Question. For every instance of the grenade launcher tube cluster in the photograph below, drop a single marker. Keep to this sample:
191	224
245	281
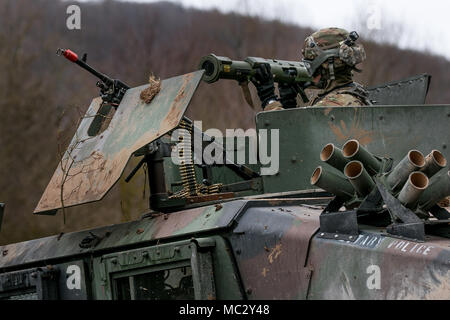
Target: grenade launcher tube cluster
413	180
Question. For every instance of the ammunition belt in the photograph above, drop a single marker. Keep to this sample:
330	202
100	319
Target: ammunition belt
190	186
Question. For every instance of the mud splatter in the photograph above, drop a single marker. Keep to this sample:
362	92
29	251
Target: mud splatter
276	251
354	131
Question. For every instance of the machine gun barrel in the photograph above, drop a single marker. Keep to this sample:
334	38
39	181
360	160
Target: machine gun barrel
72	56
111	90
224	68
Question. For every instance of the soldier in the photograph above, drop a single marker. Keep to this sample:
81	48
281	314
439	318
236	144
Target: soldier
332	55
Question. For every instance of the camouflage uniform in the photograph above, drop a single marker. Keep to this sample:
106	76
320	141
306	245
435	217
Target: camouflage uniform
333	56
353	95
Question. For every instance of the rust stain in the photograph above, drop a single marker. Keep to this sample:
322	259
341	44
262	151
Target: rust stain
344	133
276	251
173	116
327	111
169	224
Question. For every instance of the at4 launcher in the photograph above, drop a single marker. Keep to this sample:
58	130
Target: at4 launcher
111	90
297	74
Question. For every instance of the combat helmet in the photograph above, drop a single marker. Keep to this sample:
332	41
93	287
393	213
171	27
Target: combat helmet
334	48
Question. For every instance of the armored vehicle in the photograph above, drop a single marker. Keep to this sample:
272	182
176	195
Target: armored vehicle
343	207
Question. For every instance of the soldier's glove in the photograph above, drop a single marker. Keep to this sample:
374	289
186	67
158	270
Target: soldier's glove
263	81
288	95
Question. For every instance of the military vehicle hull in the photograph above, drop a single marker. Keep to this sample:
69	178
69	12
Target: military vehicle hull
254	236
264	248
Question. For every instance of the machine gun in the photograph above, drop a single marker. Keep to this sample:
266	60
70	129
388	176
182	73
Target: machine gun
295	73
111	90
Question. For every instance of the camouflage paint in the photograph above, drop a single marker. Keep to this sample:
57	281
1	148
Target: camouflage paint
407	270
263	249
278	258
387	131
178	224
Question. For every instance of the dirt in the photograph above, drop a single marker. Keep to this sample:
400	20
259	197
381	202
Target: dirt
445	202
155	86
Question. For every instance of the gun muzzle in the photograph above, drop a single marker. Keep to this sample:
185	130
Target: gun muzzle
68	54
332	182
434	162
333	156
413	161
439	189
360	179
353	150
415	185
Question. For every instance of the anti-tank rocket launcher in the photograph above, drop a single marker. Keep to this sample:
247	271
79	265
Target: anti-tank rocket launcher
297	74
111	90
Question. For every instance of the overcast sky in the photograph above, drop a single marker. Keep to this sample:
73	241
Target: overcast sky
413	24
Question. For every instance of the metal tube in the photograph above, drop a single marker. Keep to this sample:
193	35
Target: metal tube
333	156
333	183
359	177
217	67
439	189
413	161
353	150
415	185
434	162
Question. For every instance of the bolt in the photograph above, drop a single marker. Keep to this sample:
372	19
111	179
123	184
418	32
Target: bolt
145	254
249	290
266	123
332	118
238	251
336	236
177	249
350	237
294	159
322	234
114	261
444	146
381	118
